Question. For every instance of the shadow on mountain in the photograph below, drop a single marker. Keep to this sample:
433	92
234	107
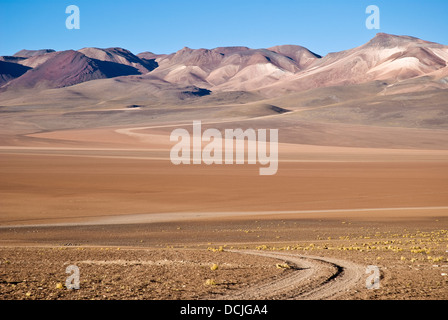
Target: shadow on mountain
112	69
9	71
194	93
13	69
279	110
150	64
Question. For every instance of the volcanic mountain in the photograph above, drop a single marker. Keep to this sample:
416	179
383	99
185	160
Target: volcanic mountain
32	53
67	68
386	58
120	56
30	58
396	60
233	68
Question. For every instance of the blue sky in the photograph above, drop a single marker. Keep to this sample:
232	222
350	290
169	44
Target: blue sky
165	26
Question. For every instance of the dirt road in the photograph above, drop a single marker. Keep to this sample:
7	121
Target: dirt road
314	278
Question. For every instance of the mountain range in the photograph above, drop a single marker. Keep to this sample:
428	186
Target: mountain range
270	72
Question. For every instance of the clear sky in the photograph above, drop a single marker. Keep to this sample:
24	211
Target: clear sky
165	26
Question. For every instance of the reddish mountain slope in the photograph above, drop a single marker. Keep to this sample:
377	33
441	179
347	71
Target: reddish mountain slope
121	56
272	72
67	68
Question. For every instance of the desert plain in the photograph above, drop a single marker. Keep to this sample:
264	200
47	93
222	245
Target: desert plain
139	227
86	180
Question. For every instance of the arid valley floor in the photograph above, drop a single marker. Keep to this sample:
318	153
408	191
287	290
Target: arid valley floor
86	177
139	227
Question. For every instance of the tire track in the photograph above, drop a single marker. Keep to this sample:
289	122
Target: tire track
312	278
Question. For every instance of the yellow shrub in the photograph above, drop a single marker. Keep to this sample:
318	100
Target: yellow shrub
214	267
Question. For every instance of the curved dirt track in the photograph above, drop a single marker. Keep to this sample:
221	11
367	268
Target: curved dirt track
312	278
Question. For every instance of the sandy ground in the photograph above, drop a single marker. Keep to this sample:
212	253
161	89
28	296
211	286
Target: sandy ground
289	258
79	187
140	228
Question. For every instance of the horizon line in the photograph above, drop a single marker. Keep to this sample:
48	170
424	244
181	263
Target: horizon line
230	46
